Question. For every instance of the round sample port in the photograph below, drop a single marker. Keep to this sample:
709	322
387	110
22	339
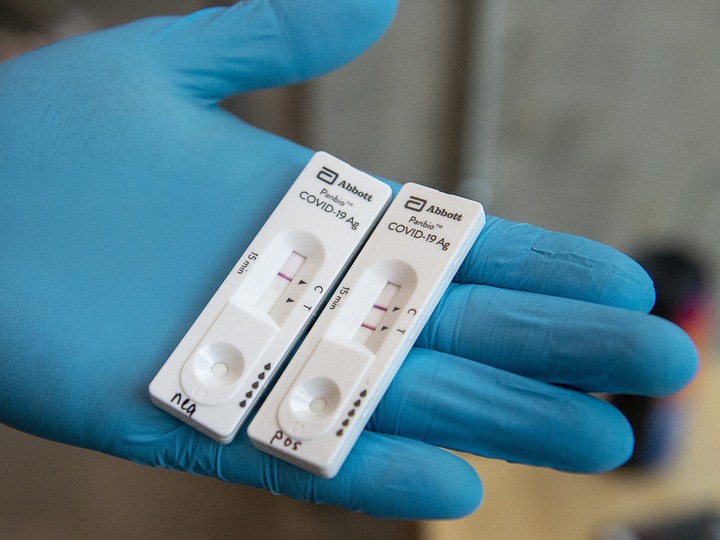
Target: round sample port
220	369
218	365
318	405
315	399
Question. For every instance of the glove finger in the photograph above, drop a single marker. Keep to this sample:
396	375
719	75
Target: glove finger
523	257
588	346
384	476
462	405
262	43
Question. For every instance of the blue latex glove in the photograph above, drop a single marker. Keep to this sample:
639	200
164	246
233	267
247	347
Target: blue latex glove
126	195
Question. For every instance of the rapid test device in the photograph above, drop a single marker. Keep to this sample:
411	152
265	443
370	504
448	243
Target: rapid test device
331	386
219	369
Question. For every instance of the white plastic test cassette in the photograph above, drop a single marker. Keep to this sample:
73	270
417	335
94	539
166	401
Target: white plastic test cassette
331	386
234	347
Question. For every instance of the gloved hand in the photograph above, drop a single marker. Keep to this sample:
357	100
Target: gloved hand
126	195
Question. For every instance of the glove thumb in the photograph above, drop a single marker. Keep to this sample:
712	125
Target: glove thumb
255	44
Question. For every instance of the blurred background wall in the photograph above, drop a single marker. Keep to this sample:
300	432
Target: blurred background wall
598	117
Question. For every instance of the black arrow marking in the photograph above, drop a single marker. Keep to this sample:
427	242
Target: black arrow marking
289	300
301	282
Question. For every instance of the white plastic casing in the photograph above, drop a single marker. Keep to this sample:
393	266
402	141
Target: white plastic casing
234	347
322	401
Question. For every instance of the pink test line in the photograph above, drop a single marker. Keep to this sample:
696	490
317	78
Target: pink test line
284	276
371	328
381	308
